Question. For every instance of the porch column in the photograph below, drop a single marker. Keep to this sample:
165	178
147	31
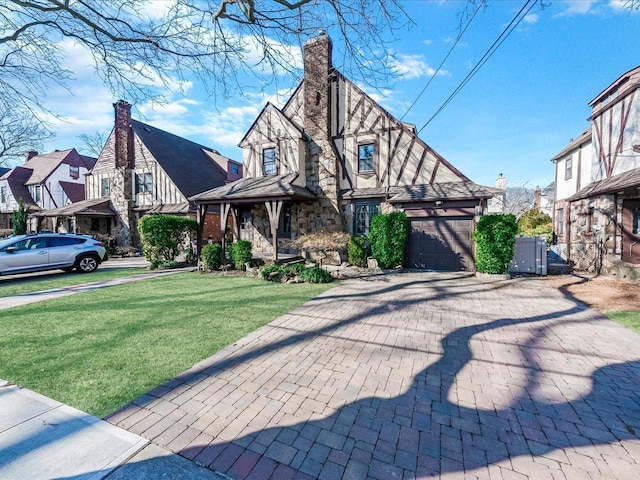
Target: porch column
273	209
202	211
55	224
235	214
224	216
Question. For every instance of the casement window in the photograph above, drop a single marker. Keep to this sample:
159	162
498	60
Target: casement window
365	157
104	187
269	166
235	169
3	194
37	193
144	183
74	172
568	168
364	212
560	221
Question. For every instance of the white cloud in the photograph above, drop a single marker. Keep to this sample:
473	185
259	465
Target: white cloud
577	7
623	6
412	66
531	18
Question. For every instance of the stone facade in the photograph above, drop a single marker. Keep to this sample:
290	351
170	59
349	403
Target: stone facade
322	170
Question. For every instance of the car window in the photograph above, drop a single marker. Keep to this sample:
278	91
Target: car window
30	244
64	241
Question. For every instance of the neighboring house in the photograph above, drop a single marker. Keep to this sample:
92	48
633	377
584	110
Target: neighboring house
498	203
598	182
144	170
44	182
332	158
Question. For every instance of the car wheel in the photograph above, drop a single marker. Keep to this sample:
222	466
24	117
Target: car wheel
87	264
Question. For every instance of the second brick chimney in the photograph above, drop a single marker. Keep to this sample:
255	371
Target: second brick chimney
124	154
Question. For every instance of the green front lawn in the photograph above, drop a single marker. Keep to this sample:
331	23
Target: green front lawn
11	286
99	350
630	319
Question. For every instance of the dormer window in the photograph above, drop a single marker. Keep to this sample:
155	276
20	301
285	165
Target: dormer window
365	157
74	171
235	169
269	166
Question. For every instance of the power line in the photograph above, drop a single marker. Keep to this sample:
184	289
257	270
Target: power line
442	63
490	51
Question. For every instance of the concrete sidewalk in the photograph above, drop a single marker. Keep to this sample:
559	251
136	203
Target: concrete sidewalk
44	439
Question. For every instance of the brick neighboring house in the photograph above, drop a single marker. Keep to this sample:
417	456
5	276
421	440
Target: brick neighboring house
144	170
332	158
43	182
597	195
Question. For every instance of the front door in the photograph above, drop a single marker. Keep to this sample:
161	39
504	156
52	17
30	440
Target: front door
246	225
631	231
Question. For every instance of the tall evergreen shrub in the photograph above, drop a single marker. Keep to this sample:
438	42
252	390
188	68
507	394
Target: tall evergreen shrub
495	237
20	217
388	237
162	236
357	250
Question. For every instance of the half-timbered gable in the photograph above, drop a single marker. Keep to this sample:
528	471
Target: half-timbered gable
603	217
274	145
332	158
144	170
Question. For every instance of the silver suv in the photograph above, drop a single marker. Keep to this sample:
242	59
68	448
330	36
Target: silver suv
49	251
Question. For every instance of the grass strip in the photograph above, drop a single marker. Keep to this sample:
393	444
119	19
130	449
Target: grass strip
98	350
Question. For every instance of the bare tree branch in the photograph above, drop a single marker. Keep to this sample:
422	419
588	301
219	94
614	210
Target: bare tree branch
19	132
139	49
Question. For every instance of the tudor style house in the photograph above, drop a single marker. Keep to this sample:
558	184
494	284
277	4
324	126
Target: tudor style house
43	182
332	158
598	183
144	170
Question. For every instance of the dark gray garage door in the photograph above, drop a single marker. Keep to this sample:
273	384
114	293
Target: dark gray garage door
441	244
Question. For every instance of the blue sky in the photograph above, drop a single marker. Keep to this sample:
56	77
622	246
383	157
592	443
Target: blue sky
519	110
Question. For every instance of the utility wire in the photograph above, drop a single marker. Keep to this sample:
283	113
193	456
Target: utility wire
503	36
441	63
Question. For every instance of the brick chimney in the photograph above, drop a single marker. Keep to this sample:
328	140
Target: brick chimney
317	65
29	154
124	153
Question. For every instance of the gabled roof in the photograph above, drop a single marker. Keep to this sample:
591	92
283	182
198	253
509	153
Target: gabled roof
94	207
16	180
184	161
252	189
463	190
583	138
75	191
285	120
624	84
612	184
44	165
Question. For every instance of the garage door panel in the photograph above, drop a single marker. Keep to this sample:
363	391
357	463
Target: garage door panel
441	244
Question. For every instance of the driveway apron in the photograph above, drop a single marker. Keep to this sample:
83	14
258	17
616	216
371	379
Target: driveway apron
413	375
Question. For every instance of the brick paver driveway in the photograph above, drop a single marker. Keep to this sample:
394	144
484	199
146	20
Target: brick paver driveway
408	376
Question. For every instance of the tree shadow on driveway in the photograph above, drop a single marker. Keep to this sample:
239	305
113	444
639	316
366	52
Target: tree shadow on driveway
509	382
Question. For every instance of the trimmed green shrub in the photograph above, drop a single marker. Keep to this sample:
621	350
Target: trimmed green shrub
163	236
388	237
240	254
20	217
495	236
211	256
316	275
357	250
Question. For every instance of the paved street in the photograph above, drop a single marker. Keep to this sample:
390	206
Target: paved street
406	376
